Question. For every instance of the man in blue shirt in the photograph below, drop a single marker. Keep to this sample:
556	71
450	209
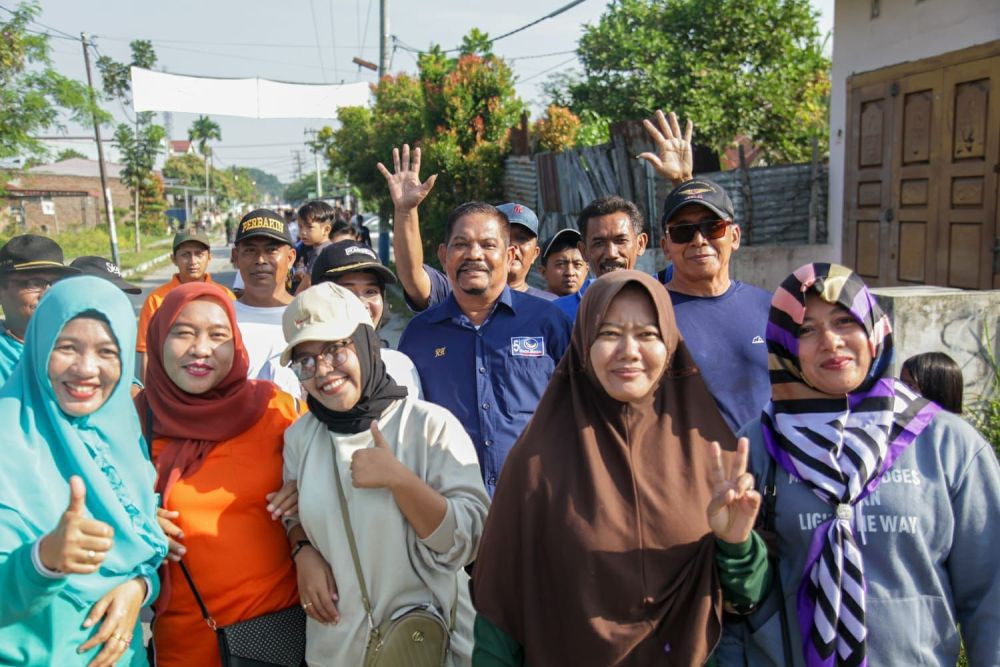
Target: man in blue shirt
29	264
612	241
486	352
423	285
723	321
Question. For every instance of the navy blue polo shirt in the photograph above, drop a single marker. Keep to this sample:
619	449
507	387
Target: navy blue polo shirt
493	377
441	288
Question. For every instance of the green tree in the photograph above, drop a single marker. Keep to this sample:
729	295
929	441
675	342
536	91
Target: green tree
459	110
203	130
753	67
33	96
69	154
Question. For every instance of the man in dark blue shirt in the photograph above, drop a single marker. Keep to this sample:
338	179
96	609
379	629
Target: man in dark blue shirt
423	285
486	352
723	321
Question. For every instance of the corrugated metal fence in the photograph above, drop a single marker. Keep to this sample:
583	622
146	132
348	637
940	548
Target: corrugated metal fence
781	204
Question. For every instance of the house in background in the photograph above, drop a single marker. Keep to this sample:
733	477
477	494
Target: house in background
915	141
180	147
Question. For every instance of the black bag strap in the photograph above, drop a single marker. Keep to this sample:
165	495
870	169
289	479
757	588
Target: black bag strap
770	501
187	574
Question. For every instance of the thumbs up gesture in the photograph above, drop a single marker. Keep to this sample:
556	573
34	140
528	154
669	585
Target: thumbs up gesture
375	467
78	545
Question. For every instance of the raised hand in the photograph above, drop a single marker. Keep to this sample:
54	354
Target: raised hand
284	501
673	159
78	545
317	586
375	467
120	609
173	532
404	183
734	505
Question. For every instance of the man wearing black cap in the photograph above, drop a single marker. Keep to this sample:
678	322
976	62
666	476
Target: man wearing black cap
29	264
563	266
700	236
263	254
92	265
423	285
355	266
191	252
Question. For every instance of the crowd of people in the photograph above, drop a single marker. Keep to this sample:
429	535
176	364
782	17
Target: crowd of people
619	469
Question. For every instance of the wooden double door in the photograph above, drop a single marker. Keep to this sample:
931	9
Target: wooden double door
922	166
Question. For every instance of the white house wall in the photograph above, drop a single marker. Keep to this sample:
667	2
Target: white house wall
905	30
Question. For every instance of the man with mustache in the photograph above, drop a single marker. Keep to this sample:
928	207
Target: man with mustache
487	351
722	320
263	254
613	239
423	285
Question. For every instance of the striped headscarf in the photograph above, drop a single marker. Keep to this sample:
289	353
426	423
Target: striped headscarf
839	446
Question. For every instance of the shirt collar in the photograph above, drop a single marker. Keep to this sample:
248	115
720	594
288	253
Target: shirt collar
450	310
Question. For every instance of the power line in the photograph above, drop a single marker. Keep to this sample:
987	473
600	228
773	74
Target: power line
546	71
319	49
540	55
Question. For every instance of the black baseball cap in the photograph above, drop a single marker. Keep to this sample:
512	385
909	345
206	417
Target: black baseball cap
92	265
30	252
263	222
347	256
564	238
702	191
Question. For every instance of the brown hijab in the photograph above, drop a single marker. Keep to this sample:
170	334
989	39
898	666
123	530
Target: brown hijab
597	549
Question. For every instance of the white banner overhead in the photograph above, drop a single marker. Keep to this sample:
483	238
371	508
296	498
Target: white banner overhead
250	98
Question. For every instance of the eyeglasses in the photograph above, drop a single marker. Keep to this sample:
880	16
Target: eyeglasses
31	284
710	229
333	355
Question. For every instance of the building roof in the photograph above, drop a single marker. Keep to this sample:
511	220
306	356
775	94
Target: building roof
180	146
78	167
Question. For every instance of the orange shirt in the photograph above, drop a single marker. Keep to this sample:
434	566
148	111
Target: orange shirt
237	556
153	302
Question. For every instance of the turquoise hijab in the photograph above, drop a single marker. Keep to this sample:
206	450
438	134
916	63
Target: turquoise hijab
43	446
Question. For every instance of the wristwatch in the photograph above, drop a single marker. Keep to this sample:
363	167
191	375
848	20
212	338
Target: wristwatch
299	546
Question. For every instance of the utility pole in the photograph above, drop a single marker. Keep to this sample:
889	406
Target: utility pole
109	214
319	176
137	244
298	164
383	70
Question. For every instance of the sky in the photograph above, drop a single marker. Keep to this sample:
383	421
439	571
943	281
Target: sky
308	41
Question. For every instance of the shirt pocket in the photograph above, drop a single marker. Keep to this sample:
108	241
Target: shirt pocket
523	383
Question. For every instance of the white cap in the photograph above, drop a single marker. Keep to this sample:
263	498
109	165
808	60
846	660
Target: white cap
324	312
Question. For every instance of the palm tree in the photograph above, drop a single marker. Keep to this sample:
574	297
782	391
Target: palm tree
201	131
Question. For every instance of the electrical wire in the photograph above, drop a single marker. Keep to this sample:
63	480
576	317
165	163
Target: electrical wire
319	49
546	71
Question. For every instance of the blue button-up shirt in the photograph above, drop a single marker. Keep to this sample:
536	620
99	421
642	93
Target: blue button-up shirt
492	377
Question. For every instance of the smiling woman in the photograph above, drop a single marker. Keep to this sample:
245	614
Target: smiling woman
76	566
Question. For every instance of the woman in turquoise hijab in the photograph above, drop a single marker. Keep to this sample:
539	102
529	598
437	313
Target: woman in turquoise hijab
79	540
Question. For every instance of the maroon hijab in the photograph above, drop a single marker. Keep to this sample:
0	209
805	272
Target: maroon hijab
597	549
195	423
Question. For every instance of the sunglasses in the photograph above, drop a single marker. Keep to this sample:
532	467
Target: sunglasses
333	355
710	229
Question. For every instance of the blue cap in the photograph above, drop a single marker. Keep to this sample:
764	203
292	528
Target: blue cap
520	215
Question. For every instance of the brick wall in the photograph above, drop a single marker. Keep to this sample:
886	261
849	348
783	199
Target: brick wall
70	211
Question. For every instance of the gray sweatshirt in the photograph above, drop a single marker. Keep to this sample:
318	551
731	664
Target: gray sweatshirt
929	535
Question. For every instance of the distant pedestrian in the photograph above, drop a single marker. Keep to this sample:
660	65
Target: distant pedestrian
936	376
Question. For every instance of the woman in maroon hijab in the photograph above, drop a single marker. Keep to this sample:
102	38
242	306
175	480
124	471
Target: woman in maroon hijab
618	523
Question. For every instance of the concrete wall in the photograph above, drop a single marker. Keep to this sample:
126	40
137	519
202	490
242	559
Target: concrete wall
905	30
962	324
767	265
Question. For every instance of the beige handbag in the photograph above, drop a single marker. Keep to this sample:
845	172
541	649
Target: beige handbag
416	638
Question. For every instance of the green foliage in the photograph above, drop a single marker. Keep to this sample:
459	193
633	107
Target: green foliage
984	413
138	148
595	129
202	130
69	154
229	186
458	110
556	131
753	67
32	93
298	191
267	184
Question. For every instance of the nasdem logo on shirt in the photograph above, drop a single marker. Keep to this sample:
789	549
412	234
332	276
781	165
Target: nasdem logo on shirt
527	346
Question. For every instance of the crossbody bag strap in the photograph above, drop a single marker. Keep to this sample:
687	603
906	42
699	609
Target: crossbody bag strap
197	596
353	544
770	502
357	560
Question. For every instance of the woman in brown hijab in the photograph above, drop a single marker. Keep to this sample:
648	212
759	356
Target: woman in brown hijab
618	522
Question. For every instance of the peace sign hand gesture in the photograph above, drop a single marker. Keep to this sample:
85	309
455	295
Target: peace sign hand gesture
404	183
673	159
734	505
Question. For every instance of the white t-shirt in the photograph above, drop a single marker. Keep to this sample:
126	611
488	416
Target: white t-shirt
264	340
399	367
